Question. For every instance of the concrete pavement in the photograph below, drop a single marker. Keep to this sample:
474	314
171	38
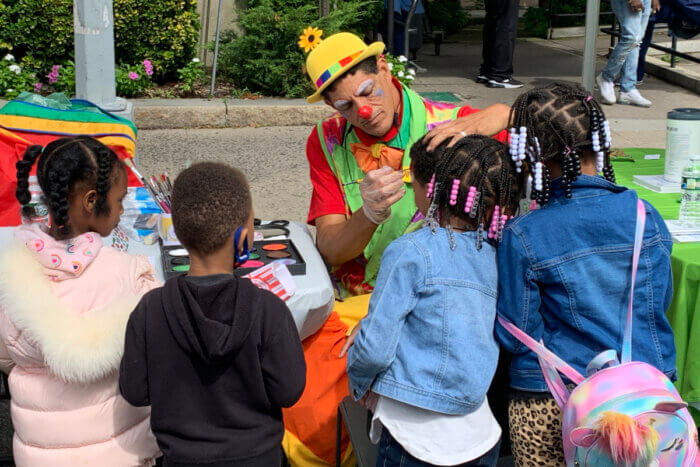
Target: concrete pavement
272	158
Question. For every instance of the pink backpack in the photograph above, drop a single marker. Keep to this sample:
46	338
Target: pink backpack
623	413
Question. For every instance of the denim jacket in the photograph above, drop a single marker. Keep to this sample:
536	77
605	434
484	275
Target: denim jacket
565	278
428	337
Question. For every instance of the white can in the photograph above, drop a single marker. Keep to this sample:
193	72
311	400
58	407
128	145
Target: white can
682	140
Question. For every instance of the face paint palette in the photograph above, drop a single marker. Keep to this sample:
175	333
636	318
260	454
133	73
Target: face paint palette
176	260
267	251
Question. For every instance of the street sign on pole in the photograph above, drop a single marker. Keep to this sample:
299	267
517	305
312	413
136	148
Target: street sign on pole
93	24
589	58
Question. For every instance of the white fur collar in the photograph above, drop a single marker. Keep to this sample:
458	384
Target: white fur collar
77	348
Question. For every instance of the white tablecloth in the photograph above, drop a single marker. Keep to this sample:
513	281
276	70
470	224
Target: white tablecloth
310	306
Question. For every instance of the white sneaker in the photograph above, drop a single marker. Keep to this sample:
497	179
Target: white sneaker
607	90
633	98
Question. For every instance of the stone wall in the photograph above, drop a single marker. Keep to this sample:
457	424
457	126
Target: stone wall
208	31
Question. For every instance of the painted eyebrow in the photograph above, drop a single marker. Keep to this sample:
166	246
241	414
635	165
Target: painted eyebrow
363	86
340	103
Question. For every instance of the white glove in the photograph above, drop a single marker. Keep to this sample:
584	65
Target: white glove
380	189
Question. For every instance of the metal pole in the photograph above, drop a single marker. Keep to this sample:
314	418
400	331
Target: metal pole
674	42
205	39
93	25
390	26
216	47
324	8
549	21
407	28
589	56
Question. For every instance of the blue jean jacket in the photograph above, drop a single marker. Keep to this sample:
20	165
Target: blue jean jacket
565	278
428	337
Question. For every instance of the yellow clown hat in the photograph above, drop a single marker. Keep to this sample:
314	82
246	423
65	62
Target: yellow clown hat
332	57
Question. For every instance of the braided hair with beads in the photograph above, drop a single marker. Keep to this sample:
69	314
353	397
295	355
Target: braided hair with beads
474	181
61	164
558	122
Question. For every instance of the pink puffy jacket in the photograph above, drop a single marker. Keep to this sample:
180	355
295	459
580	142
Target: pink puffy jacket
63	313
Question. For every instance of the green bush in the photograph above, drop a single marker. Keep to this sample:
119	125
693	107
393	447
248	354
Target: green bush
267	59
536	19
190	74
14	78
65	82
165	31
132	80
398	68
447	15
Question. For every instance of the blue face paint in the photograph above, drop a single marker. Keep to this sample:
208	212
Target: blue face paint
379	93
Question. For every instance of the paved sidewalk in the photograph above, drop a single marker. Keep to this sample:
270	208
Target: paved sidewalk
274	159
537	62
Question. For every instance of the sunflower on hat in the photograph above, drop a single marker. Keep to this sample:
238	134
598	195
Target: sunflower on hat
310	38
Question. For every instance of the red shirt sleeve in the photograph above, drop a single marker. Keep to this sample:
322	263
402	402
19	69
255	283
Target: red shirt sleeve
326	197
466	110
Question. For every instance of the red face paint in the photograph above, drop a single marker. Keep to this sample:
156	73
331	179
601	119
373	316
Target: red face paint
365	112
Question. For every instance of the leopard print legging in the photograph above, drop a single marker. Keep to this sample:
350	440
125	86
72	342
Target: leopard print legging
535	432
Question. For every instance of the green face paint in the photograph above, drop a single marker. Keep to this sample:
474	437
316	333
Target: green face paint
181	268
254	256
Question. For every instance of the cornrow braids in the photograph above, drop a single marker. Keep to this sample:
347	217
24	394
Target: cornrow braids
558	122
61	165
474	181
23	168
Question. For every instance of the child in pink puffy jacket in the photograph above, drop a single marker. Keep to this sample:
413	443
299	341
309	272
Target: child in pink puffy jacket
64	304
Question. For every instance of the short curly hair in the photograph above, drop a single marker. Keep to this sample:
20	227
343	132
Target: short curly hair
210	200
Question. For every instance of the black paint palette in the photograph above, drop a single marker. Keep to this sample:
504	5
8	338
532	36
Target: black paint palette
176	260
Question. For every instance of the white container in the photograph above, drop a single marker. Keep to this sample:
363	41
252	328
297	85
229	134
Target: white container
682	140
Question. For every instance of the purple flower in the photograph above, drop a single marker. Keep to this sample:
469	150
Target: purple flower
133	75
148	66
37	87
53	76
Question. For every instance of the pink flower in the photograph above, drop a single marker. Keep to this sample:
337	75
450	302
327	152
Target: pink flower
133	75
53	76
37	87
148	66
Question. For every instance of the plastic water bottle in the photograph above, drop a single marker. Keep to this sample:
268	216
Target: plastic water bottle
689	214
35	211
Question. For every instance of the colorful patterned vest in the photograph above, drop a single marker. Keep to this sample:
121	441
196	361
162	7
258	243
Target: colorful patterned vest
337	137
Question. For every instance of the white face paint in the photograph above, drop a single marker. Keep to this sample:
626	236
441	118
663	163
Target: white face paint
341	104
178	252
362	88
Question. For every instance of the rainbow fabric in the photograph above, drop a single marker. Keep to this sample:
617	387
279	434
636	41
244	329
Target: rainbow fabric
335	68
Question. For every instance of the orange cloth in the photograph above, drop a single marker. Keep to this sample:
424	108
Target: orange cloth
312	421
376	156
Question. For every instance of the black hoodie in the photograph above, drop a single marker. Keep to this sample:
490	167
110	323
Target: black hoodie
217	359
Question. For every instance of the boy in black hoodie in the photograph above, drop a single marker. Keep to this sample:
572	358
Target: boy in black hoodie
214	356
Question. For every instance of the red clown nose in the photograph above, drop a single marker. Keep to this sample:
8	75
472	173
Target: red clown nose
365	112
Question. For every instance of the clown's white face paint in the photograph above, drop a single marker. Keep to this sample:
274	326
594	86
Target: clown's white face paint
364	87
341	104
361	89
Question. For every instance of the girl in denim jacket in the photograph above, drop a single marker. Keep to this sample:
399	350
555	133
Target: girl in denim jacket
426	348
564	269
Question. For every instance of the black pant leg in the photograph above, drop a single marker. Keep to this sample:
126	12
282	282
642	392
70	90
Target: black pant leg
489	35
504	38
644	48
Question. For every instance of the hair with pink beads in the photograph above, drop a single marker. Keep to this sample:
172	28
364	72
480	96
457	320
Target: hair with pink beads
473	185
